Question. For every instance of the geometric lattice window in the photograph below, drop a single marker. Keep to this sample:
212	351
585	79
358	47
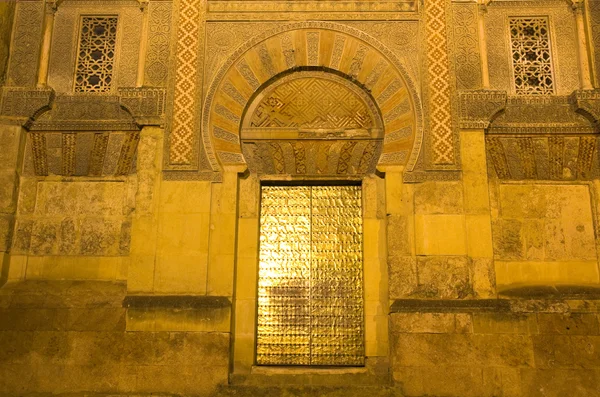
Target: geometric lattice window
95	60
532	64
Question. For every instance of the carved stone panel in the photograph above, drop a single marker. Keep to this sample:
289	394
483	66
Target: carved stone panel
467	65
65	41
159	43
361	61
72	153
563	42
543	157
27	35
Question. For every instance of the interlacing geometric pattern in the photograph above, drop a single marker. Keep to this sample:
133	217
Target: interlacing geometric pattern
310	288
95	61
184	113
532	64
312	103
439	83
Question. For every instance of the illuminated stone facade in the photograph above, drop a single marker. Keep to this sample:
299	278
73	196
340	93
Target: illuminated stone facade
141	252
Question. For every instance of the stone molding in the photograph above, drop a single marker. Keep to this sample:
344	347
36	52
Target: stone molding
557	301
588	103
146	105
42	109
426	176
25	102
478	107
175	302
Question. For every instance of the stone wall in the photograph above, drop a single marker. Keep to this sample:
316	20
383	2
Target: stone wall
496	348
69	338
544	234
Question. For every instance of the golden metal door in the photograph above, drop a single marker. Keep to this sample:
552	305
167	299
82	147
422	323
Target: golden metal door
310	284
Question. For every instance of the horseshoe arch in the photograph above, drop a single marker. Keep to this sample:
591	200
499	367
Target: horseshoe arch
329	47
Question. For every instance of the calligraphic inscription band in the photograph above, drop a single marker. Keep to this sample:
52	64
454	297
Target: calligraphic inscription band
310	288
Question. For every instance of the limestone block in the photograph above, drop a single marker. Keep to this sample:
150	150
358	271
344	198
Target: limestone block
10	140
529	273
544	222
74	267
44	237
479	236
445	380
402	271
568	323
99	236
399	230
6	230
440	235
560	382
9	183
508	242
190	197
524	201
181	273
438	198
443	277
532	232
143	235
504	323
553	351
483	277
83	198
183	234
220	275
249	196
27	195
397	194
373	197
475	181
179	320
13	267
431	323
433	350
376	335
67	244
222	233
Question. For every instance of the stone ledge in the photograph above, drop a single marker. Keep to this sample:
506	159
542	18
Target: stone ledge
449	305
175	302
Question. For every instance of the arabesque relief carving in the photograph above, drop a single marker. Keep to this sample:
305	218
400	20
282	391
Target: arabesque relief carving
327	45
89	153
543	157
311	123
478	107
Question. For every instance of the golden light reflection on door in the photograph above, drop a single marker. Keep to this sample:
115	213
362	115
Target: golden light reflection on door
310	288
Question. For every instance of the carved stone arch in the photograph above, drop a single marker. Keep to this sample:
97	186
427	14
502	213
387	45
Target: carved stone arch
345	51
311	123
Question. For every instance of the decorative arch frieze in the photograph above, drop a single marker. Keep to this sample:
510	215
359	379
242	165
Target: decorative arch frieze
331	48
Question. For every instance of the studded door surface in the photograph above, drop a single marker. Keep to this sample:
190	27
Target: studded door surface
310	288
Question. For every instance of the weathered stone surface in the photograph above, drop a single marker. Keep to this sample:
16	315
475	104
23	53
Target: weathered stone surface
398	235
431	350
402	273
439	198
561	382
544	222
568	323
68	335
443	277
433	323
504	323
